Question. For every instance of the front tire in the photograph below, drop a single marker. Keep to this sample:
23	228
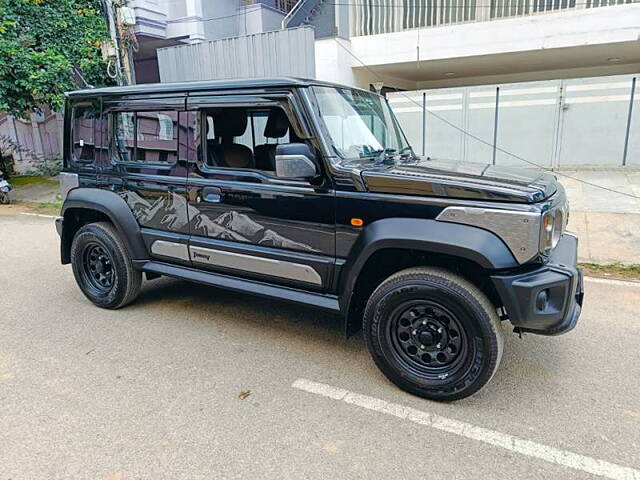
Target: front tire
433	333
102	266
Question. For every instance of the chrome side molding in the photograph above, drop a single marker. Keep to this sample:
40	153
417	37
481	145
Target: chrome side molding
520	231
237	261
250	263
170	249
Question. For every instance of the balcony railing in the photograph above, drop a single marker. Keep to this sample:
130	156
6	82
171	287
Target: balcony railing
371	17
285	5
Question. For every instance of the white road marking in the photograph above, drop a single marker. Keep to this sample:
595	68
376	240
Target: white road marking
612	281
462	429
38	215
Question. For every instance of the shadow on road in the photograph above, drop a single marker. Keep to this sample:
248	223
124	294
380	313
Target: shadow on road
243	308
532	366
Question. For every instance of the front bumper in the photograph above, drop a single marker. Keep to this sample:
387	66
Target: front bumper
547	300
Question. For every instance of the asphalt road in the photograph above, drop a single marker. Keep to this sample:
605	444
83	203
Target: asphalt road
153	391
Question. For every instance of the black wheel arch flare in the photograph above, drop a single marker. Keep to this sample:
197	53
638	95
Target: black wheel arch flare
108	204
474	244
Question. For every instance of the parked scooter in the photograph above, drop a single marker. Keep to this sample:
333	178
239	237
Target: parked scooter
5	188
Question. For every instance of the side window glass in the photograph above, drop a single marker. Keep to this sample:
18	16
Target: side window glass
189	135
260	119
123	131
83	133
157	137
100	130
247	137
146	137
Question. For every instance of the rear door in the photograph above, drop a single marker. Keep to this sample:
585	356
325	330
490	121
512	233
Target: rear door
148	169
244	220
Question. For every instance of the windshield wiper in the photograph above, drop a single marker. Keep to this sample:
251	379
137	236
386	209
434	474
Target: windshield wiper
407	154
388	155
384	154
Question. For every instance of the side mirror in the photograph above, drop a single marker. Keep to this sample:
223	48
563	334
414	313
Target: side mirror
295	160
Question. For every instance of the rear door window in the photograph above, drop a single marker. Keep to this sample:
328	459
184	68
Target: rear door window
146	137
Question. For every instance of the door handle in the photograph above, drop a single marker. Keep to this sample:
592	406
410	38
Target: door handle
212	194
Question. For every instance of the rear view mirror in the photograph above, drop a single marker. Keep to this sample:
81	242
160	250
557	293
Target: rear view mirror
295	160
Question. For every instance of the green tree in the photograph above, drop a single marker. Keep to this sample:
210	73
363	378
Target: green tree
41	43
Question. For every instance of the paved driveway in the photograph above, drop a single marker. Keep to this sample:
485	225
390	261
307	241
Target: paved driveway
153	390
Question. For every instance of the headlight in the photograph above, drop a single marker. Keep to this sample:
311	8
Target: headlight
554	223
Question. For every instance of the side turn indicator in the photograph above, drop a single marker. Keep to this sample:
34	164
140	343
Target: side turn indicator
357	222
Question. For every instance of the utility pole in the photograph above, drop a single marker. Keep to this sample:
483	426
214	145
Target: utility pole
113	33
121	54
124	37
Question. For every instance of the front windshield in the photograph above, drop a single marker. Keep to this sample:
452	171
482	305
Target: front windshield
360	124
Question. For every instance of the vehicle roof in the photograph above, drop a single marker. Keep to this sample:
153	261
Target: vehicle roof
186	87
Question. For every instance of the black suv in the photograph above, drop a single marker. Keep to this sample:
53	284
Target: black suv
308	191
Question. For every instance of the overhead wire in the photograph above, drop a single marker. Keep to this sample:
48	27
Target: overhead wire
435	115
438	8
451	7
481	140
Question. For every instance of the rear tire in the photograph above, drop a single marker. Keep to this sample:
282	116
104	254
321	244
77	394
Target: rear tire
102	266
433	333
4	198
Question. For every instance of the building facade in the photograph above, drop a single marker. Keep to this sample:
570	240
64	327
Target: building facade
418	44
554	82
165	23
429	49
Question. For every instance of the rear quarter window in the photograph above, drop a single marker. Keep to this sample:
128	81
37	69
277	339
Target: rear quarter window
83	133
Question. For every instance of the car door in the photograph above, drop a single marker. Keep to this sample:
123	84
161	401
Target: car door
148	170
244	220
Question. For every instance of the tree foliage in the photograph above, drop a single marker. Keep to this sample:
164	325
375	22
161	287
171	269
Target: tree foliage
41	42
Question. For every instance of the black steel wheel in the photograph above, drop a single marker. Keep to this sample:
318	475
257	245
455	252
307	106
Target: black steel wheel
102	266
97	268
427	338
433	333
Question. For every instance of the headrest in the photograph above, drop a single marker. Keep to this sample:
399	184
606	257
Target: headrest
277	124
229	122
